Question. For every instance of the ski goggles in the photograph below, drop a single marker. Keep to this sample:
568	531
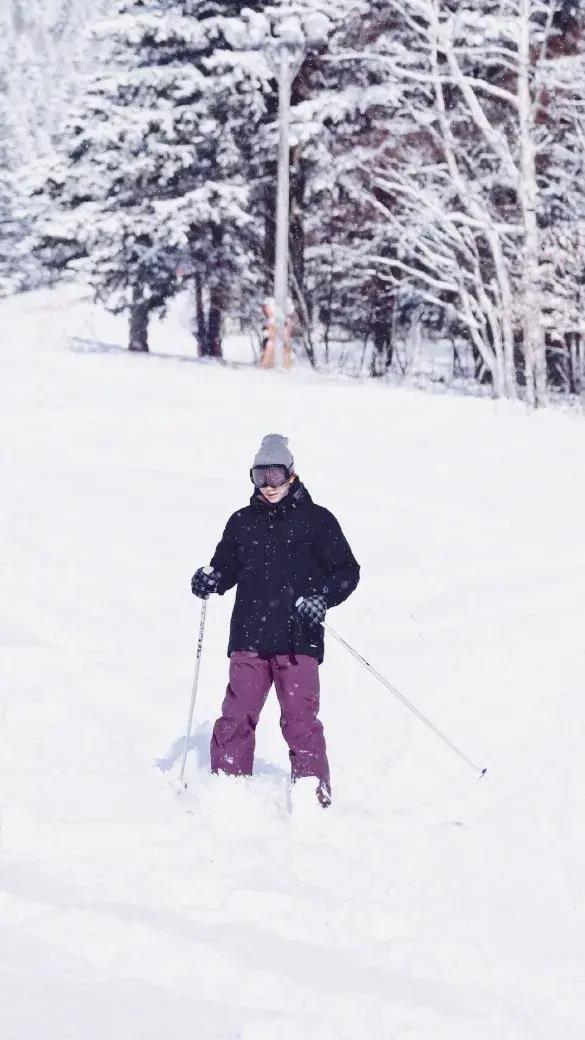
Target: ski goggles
270	476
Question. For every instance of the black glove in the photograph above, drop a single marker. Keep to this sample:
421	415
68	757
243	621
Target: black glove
312	609
204	582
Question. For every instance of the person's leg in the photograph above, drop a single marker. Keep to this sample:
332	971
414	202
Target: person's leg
297	686
233	739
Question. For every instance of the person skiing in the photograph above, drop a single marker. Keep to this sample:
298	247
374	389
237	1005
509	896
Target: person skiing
291	562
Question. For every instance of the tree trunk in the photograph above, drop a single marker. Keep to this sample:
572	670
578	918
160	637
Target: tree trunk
467	198
138	337
214	323
382	339
282	261
269	205
534	348
507	305
297	227
201	324
209	329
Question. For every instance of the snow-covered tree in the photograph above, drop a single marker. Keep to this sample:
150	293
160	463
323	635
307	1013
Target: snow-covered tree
562	197
158	159
347	117
436	173
8	233
43	49
466	207
8	225
17	269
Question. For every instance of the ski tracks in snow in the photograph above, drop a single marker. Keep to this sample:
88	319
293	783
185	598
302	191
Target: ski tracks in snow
423	903
269	924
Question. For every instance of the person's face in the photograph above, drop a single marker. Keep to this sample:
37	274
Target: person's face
274	495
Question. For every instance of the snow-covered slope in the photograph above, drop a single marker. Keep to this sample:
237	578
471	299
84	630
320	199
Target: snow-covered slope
425	903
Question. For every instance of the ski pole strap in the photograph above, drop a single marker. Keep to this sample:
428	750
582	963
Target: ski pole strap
404	700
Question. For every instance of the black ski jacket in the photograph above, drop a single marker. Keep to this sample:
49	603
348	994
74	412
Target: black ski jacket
276	553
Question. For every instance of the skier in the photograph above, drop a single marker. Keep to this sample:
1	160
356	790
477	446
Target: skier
276	550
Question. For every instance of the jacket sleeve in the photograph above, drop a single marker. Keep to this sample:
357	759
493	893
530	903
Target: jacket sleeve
341	569
225	559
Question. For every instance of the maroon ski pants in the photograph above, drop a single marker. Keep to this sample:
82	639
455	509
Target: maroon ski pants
297	687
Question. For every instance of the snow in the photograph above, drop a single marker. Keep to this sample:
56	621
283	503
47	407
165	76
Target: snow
424	903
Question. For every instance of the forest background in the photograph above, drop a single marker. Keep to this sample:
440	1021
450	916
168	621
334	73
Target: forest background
437	175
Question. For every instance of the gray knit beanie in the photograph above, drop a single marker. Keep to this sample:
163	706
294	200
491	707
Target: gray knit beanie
274	451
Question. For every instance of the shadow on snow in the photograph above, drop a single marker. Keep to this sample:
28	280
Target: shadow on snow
79	345
199	743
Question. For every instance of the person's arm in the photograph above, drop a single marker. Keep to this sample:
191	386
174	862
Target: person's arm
225	560
341	569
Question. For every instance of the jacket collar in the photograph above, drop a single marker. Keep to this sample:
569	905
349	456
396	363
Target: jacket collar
298	496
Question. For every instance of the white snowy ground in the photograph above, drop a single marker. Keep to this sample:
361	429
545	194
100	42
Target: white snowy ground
425	903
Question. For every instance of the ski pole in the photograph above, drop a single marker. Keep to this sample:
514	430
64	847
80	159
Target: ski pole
194	694
403	700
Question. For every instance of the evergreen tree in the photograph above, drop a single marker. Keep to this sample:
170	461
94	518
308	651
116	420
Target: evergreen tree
9	276
157	164
16	269
43	47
